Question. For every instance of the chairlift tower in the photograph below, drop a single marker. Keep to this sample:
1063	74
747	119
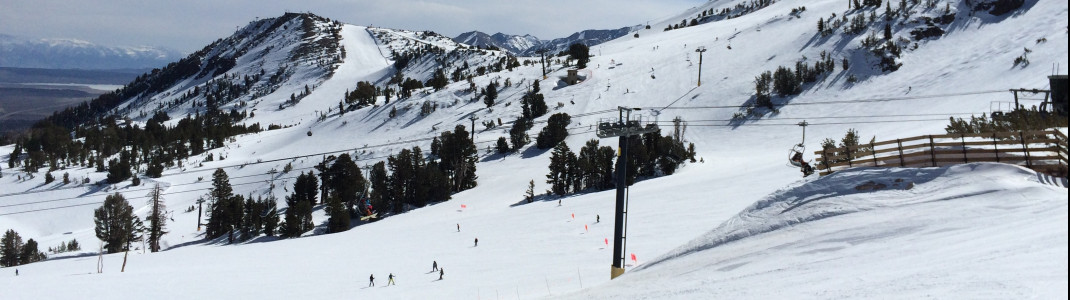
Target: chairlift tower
623	128
700	50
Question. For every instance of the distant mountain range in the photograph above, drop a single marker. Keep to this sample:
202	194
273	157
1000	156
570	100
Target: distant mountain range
20	52
527	45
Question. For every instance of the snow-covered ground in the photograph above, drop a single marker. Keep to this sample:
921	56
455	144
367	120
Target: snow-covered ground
970	231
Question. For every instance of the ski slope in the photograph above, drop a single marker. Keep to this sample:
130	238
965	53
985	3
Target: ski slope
717	228
966	231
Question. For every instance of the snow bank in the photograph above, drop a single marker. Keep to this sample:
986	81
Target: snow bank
979	229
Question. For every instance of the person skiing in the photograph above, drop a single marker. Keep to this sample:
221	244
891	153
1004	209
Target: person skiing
458	227
440	273
477	243
434	266
371	280
390	279
597	218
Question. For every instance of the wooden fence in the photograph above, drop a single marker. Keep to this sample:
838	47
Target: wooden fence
1043	151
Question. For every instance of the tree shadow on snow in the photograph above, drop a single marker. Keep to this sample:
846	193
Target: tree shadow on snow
533	151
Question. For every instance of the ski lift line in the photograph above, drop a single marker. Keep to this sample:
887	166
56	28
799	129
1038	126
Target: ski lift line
236	177
576	116
818	124
51	208
178	192
98	202
862	100
678	98
841	117
173	185
130	191
608	111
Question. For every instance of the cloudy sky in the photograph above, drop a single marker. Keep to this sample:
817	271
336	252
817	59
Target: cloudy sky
187	25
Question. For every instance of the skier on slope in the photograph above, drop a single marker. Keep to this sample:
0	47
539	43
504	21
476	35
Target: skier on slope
477	243
434	266
371	280
440	273
390	279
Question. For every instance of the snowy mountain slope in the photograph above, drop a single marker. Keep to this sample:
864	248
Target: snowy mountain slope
418	54
275	56
77	54
515	44
976	230
537	249
590	37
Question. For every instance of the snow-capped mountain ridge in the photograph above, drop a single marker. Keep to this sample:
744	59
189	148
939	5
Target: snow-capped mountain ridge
528	45
515	44
60	53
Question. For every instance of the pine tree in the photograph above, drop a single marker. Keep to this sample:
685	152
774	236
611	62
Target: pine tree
10	248
225	211
490	94
596	166
298	217
556	130
29	253
502	146
529	195
345	185
380	193
438	80
116	225
580	53
339	217
271	218
156	218
518	134
850	143
458	158
785	82
558	178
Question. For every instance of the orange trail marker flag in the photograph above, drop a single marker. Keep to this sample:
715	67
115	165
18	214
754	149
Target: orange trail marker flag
464	206
607	241
584	227
633	258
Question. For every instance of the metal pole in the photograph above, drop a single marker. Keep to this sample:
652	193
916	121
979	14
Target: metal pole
618	223
932	149
199	202
700	68
700	50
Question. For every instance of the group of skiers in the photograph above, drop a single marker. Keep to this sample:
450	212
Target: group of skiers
390	277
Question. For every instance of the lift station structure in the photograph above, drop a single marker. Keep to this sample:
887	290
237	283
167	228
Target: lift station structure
623	128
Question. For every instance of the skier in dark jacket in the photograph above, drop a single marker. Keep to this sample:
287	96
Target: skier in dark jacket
440	273
434	266
477	242
390	279
371	280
